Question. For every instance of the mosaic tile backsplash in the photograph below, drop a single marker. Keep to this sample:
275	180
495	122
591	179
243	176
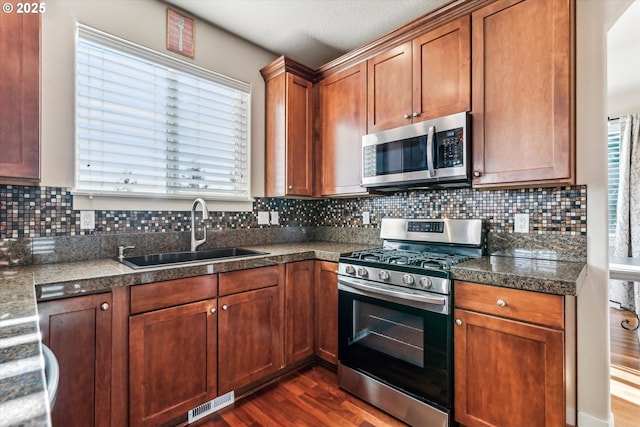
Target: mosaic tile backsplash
33	212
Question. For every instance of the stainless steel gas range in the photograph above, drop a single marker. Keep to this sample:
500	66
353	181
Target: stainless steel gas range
395	322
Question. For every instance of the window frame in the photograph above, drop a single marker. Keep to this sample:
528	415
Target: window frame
613	130
86	196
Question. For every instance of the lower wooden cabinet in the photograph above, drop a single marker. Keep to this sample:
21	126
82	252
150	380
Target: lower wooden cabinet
172	361
298	311
78	331
508	372
326	311
249	327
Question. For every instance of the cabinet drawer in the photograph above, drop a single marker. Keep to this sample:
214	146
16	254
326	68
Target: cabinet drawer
543	309
248	280
159	295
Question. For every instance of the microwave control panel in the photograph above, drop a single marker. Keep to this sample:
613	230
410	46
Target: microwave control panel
450	148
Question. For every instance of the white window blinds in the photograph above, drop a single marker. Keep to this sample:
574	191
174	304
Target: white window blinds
147	123
613	158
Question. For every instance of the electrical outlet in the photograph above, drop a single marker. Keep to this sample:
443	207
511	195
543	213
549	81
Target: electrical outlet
521	223
263	218
275	218
87	220
366	218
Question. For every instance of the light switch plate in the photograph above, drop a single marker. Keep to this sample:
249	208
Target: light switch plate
263	218
275	218
366	218
87	220
521	223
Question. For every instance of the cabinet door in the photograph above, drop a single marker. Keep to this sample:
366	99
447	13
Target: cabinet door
442	71
326	311
298	311
250	337
389	89
172	361
522	94
20	96
507	373
344	122
299	136
78	331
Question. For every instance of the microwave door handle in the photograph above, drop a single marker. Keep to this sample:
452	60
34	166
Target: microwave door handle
432	172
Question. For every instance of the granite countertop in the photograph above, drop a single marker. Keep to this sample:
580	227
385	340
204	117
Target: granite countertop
22	389
536	271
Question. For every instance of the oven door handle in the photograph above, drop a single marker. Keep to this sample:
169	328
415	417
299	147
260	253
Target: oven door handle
414	300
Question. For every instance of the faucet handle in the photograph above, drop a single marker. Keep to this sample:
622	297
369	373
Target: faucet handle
121	250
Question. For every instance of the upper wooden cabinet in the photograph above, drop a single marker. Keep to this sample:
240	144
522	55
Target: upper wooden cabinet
20	96
421	79
522	94
343	119
289	129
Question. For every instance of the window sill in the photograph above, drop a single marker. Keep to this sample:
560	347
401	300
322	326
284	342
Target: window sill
159	203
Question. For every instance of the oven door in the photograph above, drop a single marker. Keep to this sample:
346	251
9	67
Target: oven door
397	340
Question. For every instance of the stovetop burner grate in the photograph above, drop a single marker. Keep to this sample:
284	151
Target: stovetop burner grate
426	259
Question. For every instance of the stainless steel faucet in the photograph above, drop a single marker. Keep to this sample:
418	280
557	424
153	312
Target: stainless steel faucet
205	215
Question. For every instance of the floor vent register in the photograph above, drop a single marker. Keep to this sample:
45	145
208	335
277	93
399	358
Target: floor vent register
211	406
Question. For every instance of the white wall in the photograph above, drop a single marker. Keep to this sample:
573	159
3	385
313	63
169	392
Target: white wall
142	22
593	19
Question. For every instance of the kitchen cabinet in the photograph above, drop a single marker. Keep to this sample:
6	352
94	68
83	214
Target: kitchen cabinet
298	311
343	107
523	96
422	79
172	348
289	129
509	357
250	326
79	331
20	96
326	311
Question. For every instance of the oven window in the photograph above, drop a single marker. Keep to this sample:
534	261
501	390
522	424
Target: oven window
394	333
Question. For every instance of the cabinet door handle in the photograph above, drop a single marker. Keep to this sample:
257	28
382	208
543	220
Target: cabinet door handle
501	303
415	114
291	187
476	174
213	310
406	116
104	306
225	307
458	322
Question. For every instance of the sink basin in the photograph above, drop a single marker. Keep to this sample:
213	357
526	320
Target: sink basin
187	257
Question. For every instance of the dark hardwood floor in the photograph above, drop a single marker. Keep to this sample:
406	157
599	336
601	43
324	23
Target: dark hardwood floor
309	397
625	372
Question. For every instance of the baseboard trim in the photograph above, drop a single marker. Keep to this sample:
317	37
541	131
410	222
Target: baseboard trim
586	420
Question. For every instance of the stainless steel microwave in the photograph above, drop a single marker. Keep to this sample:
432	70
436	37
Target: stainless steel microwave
431	153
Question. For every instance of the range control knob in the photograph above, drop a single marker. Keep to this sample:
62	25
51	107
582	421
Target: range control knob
383	275
408	279
350	269
362	272
425	282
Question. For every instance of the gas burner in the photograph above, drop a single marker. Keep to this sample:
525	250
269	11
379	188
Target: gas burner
421	259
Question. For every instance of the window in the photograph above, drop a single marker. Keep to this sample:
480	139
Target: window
613	147
150	124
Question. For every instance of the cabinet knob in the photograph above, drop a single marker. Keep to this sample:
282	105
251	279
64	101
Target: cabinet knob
213	310
501	303
458	322
415	114
476	173
225	307
104	306
406	116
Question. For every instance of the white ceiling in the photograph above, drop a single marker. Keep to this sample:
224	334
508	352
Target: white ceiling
312	32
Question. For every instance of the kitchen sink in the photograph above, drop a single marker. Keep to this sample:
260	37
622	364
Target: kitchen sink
169	258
